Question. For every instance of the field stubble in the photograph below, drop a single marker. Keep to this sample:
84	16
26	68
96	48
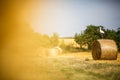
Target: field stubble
69	66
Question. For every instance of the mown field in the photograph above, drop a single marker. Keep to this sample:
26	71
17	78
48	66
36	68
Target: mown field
69	66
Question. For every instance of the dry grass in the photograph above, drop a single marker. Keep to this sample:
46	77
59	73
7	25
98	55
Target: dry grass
72	66
69	41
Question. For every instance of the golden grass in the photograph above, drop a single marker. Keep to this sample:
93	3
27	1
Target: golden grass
71	66
69	41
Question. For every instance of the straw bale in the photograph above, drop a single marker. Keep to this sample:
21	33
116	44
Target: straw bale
104	49
54	51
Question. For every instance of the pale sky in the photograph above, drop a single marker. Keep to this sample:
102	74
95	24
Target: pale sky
67	17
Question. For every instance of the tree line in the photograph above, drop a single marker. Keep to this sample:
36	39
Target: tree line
92	33
24	39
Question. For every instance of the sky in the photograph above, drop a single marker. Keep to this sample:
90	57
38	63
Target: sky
67	17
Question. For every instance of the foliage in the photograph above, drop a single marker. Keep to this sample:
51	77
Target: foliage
79	38
54	39
118	38
46	41
91	33
110	34
115	35
62	44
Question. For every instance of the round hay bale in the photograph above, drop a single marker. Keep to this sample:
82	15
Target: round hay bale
59	49
54	51
104	49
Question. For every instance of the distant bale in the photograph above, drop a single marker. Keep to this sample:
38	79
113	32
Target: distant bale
104	49
44	52
59	49
54	51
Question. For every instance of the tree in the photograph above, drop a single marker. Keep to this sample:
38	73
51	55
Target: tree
118	31
54	39
118	38
110	34
79	38
88	36
91	34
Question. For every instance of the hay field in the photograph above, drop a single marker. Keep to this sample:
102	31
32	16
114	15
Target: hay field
69	41
70	66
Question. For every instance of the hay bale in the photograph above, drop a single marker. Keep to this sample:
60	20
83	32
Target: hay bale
54	51
59	49
44	52
104	49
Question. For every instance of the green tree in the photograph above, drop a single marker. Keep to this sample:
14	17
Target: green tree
110	34
62	44
91	34
45	40
79	38
114	35
118	38
54	40
88	36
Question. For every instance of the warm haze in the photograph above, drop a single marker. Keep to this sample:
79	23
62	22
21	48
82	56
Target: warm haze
24	53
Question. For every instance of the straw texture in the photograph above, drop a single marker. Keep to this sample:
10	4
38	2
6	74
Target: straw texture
104	49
